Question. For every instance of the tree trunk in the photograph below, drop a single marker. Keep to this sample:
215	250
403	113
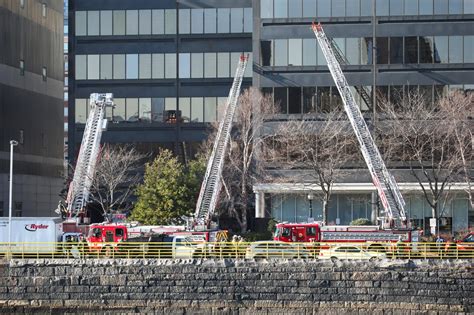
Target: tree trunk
325	209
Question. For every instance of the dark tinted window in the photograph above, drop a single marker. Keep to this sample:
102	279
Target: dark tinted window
396	50
119	232
411	49
294	100
310	231
266	50
281	99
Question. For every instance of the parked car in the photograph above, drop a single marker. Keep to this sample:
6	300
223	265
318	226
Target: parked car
465	246
275	249
350	252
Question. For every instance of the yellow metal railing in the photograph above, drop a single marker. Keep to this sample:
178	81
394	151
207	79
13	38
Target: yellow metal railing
254	250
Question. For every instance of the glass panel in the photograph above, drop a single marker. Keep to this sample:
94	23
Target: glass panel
396	7
281	52
309	52
170	66
469	49
184	21
93	25
382	7
294	100
266	52
336	100
170	103
441	49
223	20
81	110
332	210
234	61
236	20
197	22
320	57
426	49
411	49
460	214
210	65
145	66
248	20
295	55
210	21
468	6
324	8
106	67
455	49
132	66
366	7
366	51
210	109
105	22
338	8
352	8
309	8
197	109
81	67
223	65
455	6
280	96
119	110
426	7
157	22
119	66
132	109
266	9
382	50
353	50
288	207
119	22
145	109
157	108
132	22
281	8
158	66
197	65
81	24
184	66
296	8
170	21
302	208
185	108
441	7
341	44
411	7
93	65
309	99
221	104
324	98
145	22
345	210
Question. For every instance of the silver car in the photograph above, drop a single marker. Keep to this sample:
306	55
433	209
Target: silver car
275	249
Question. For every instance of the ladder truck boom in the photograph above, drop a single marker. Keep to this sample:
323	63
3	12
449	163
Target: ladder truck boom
386	186
212	179
79	188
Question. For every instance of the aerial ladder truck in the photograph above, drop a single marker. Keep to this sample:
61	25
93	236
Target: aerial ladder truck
387	188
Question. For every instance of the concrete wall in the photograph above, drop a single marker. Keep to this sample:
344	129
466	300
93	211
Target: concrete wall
237	287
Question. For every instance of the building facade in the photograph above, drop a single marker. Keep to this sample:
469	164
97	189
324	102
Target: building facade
396	46
169	64
31	105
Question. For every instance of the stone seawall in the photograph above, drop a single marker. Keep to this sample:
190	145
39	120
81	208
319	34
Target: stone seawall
237	287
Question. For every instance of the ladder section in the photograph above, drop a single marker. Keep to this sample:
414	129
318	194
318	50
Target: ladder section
212	179
384	182
79	189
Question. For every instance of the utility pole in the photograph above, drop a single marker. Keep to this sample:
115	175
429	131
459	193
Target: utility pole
13	143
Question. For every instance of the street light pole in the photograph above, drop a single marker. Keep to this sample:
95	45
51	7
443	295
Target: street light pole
10	194
310	198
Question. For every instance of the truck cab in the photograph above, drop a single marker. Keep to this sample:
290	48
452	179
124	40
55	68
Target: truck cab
106	236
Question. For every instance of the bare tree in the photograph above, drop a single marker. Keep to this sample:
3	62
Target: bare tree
117	174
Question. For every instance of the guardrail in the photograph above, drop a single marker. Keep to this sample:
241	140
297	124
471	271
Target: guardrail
268	250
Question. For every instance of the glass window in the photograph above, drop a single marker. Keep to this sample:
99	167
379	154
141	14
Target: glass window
144	107
396	50
320	59
157	21
469	49
382	7
223	65
248	20
132	66
455	6
170	21
468	6
170	66
266	52
294	100
411	49
81	67
158	66
81	23
352	7
295	54
324	8
280	96
295	9
281	8
184	21
210	65
184	66
266	9
396	7
93	64
411	7
345	209
157	108
197	64
119	110
106	67
441	7
210	109
132	22
341	43
119	22
366	7
309	8
426	7
426	49
223	20
309	99
236	20
249	70
105	22
132	109
81	110
281	52
185	108
382	50
234	61
455	49
324	98
353	50
170	103
144	27
441	49
210	20
93	25
338	8
144	66
197	22
119	66
197	109
43	9
221	105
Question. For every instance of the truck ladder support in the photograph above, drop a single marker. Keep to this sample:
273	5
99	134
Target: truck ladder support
212	179
387	187
79	188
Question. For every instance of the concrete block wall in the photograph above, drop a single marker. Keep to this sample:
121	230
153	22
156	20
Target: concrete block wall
237	287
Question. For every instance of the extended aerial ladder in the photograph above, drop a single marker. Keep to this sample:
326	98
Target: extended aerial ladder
212	179
79	188
386	186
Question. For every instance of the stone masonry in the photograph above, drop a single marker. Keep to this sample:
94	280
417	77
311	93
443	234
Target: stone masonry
236	286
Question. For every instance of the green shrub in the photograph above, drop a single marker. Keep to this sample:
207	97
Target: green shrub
361	221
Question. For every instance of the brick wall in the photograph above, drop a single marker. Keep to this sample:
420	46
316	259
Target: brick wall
230	287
